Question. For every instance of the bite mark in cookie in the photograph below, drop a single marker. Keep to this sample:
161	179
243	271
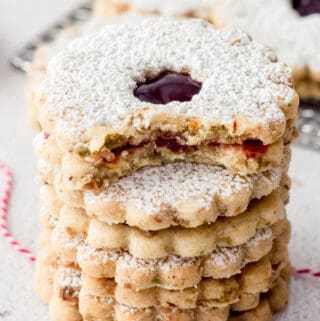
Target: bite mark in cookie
207	104
175	143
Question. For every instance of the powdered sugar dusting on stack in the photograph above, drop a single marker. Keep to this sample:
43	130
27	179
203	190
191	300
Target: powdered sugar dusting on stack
170	185
171	210
226	62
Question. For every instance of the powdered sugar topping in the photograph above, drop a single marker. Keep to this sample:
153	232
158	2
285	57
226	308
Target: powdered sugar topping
223	256
152	189
97	256
261	235
91	83
95	298
69	277
127	261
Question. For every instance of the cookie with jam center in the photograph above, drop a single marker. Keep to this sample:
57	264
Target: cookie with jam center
162	91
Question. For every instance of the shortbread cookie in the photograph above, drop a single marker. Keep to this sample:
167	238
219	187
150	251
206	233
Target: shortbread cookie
156	198
65	297
193	242
182	194
189	8
174	272
64	303
127	127
273	22
277	299
262	313
144	273
53	198
95	309
46	266
54	168
106	308
255	278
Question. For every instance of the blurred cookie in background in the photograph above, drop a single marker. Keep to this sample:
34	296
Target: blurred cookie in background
289	27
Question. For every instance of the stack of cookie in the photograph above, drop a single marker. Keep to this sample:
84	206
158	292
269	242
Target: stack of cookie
163	162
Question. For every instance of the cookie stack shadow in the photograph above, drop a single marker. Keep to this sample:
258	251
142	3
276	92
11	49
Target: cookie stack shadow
174	241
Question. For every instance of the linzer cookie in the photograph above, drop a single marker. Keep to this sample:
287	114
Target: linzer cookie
255	279
182	194
172	271
202	240
52	165
194	97
183	8
72	299
176	273
155	198
49	167
69	299
274	23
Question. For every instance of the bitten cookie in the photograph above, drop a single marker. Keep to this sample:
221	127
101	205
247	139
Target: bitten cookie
289	27
206	96
73	174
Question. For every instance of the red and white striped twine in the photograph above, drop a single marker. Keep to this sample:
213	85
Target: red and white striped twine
4	202
308	272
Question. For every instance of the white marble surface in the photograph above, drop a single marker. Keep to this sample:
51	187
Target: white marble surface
20	20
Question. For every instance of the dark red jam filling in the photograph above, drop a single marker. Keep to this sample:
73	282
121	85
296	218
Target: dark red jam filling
171	144
168	86
306	7
254	148
251	148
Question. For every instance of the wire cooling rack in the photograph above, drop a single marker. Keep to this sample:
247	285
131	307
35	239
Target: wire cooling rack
308	123
21	59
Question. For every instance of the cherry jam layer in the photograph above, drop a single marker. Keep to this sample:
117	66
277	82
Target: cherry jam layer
167	87
251	148
306	7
